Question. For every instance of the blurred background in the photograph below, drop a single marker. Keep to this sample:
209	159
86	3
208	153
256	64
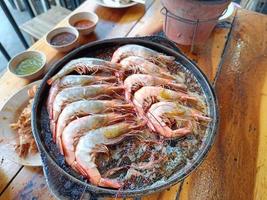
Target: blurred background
33	18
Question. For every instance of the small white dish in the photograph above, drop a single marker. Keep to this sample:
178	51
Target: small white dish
66	47
84	16
228	12
113	4
8	137
16	60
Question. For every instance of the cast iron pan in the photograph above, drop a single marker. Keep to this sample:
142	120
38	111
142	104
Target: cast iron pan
62	180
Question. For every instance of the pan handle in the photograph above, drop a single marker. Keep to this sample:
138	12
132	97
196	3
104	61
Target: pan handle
163	41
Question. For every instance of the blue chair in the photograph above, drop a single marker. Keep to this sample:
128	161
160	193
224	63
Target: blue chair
14	24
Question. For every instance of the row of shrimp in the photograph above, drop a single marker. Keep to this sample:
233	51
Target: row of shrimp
160	98
94	103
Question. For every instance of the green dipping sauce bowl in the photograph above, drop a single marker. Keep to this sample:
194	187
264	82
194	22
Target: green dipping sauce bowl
28	64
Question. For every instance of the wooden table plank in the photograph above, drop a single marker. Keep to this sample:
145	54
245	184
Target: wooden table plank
34	188
236	167
8	169
9	84
41	24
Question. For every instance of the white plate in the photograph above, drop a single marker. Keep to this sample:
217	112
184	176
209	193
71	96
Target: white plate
8	137
112	4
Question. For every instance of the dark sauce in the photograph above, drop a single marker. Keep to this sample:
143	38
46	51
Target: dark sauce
62	39
83	24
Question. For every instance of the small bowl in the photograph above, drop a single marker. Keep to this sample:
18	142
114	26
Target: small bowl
65	47
13	63
84	16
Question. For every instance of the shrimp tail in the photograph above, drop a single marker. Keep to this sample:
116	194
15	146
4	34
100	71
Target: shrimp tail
51	80
181	132
166	58
79	168
74	166
201	117
114	170
111	183
59	144
53	129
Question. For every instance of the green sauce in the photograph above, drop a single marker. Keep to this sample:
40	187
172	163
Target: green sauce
29	65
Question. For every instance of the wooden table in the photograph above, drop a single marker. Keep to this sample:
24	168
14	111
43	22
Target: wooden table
43	23
234	59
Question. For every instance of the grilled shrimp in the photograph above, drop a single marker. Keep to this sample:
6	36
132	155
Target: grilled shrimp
82	66
140	51
136	81
91	143
148	95
70	81
87	107
162	115
140	65
72	94
78	127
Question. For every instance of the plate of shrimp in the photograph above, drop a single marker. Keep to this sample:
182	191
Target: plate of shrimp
17	142
125	121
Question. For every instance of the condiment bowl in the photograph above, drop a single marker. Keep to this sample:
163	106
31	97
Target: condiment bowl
91	16
65	47
15	61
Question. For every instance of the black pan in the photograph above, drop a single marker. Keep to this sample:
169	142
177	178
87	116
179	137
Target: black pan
62	180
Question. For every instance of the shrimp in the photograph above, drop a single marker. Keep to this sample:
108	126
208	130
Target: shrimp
162	114
70	81
143	66
136	81
72	94
141	51
87	107
76	128
148	95
84	65
87	148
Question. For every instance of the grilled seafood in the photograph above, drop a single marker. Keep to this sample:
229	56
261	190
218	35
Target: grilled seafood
140	65
72	94
78	127
148	95
22	126
82	66
140	51
134	82
120	125
162	115
91	143
73	80
87	107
